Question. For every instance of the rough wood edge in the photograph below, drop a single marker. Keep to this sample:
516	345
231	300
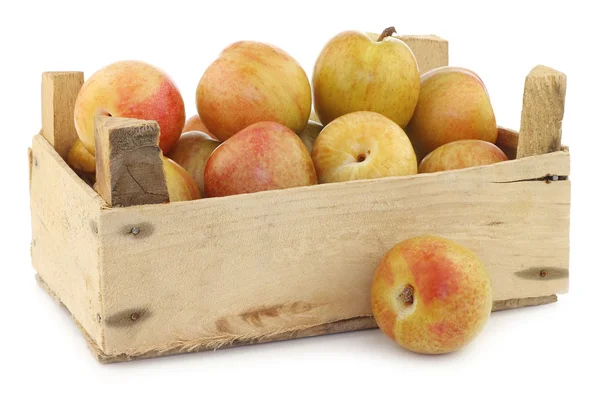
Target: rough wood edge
542	112
510	304
347	325
129	166
59	93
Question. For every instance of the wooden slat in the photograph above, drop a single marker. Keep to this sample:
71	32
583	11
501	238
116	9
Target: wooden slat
64	248
59	92
430	51
243	268
350	325
129	167
542	113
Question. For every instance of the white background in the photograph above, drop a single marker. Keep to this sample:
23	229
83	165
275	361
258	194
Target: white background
544	352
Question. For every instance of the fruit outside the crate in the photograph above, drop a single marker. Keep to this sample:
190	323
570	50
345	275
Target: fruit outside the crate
431	295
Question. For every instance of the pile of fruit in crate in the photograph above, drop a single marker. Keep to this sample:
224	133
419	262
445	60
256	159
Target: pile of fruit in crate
376	116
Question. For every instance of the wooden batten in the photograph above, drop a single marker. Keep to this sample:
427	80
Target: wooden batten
59	92
284	273
129	167
430	51
542	113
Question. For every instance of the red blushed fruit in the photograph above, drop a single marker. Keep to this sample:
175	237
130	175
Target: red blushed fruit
431	295
130	89
453	105
252	82
263	156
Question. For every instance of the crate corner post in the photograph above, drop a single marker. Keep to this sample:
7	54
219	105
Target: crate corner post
59	93
129	165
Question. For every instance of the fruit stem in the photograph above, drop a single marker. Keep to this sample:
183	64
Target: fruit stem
386	32
407	295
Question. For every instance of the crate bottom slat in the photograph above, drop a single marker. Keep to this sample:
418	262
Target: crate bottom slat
347	325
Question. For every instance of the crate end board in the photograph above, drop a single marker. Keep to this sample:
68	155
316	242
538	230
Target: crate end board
344	326
64	223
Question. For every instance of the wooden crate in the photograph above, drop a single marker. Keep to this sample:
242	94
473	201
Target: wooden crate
152	280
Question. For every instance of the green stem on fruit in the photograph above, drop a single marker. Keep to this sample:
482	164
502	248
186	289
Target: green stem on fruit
386	32
407	295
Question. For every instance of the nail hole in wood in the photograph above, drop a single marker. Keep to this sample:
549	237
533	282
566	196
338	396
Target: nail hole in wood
551	178
98	318
361	158
94	226
35	161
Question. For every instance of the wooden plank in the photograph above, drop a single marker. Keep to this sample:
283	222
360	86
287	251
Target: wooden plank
64	248
129	167
350	325
253	266
542	113
59	92
511	304
431	51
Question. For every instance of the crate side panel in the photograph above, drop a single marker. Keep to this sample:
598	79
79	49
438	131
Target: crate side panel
242	268
64	249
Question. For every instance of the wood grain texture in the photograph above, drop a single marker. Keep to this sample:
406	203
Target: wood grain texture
65	244
59	92
542	113
129	167
252	266
511	304
430	51
349	325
